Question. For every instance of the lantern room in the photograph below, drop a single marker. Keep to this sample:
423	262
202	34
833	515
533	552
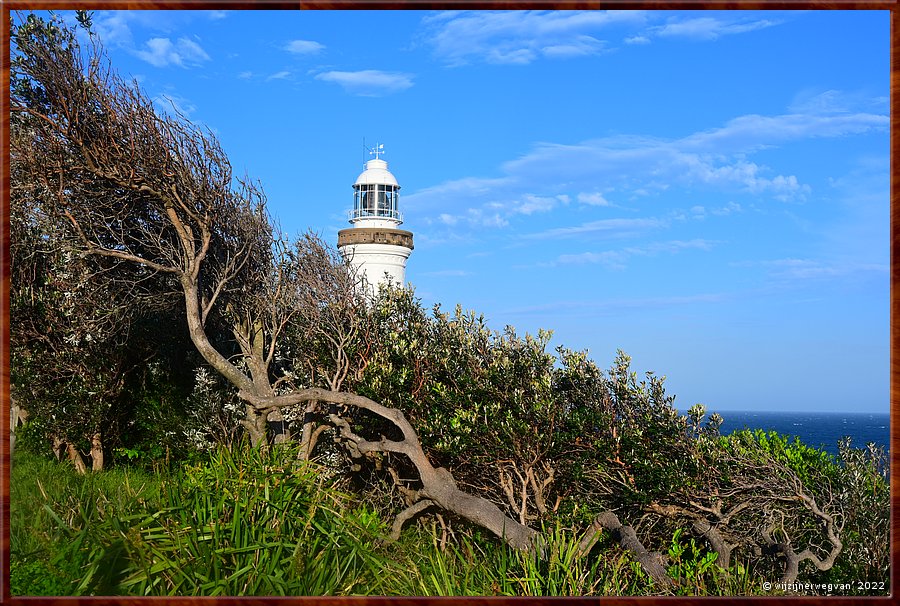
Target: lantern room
376	196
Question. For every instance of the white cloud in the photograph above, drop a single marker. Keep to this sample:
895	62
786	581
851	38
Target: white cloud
479	218
161	52
458	188
729	209
616	259
614	227
715	158
741	173
611	258
648	165
792	269
175	104
700	212
818	102
448	273
245	75
113	27
577	47
710	28
521	37
753	132
593	199
511	37
368	83
630	166
279	75
592	308
303	47
530	204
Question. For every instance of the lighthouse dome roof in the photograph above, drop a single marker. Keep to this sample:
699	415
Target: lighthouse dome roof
376	173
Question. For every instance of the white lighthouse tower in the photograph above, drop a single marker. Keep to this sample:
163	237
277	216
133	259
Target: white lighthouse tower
374	245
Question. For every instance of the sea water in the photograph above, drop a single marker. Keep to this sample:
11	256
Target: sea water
817	429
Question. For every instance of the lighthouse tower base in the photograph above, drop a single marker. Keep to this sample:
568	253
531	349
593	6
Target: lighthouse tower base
378	254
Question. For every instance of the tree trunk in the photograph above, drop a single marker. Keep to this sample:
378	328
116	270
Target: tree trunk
96	453
282	433
718	543
58	447
17	416
438	484
309	436
76	459
651	562
255	423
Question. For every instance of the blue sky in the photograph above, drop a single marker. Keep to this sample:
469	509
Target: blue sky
708	191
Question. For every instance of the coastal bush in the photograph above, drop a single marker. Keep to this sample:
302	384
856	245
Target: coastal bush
863	490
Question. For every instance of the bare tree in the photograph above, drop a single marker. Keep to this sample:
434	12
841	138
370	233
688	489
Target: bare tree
154	191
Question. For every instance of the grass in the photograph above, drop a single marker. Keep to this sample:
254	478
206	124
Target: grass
241	523
244	522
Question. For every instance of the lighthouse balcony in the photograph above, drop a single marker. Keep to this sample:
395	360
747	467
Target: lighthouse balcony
356	214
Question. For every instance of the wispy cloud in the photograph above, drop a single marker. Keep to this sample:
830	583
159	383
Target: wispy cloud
530	204
600	306
279	75
629	167
175	104
303	47
593	199
701	212
819	102
710	28
519	37
448	273
617	259
161	52
753	132
716	158
522	37
368	83
617	227
791	270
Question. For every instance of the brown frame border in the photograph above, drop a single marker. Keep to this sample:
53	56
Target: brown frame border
8	5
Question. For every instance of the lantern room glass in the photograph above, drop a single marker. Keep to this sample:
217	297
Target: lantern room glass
376	200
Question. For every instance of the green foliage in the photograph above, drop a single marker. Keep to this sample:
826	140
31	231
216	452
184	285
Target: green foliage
48	501
807	462
512	419
474	565
32	437
697	572
37	578
853	487
863	491
242	522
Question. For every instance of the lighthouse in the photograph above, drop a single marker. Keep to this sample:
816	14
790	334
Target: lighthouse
374	245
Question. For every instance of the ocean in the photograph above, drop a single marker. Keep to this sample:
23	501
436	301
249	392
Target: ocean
819	429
